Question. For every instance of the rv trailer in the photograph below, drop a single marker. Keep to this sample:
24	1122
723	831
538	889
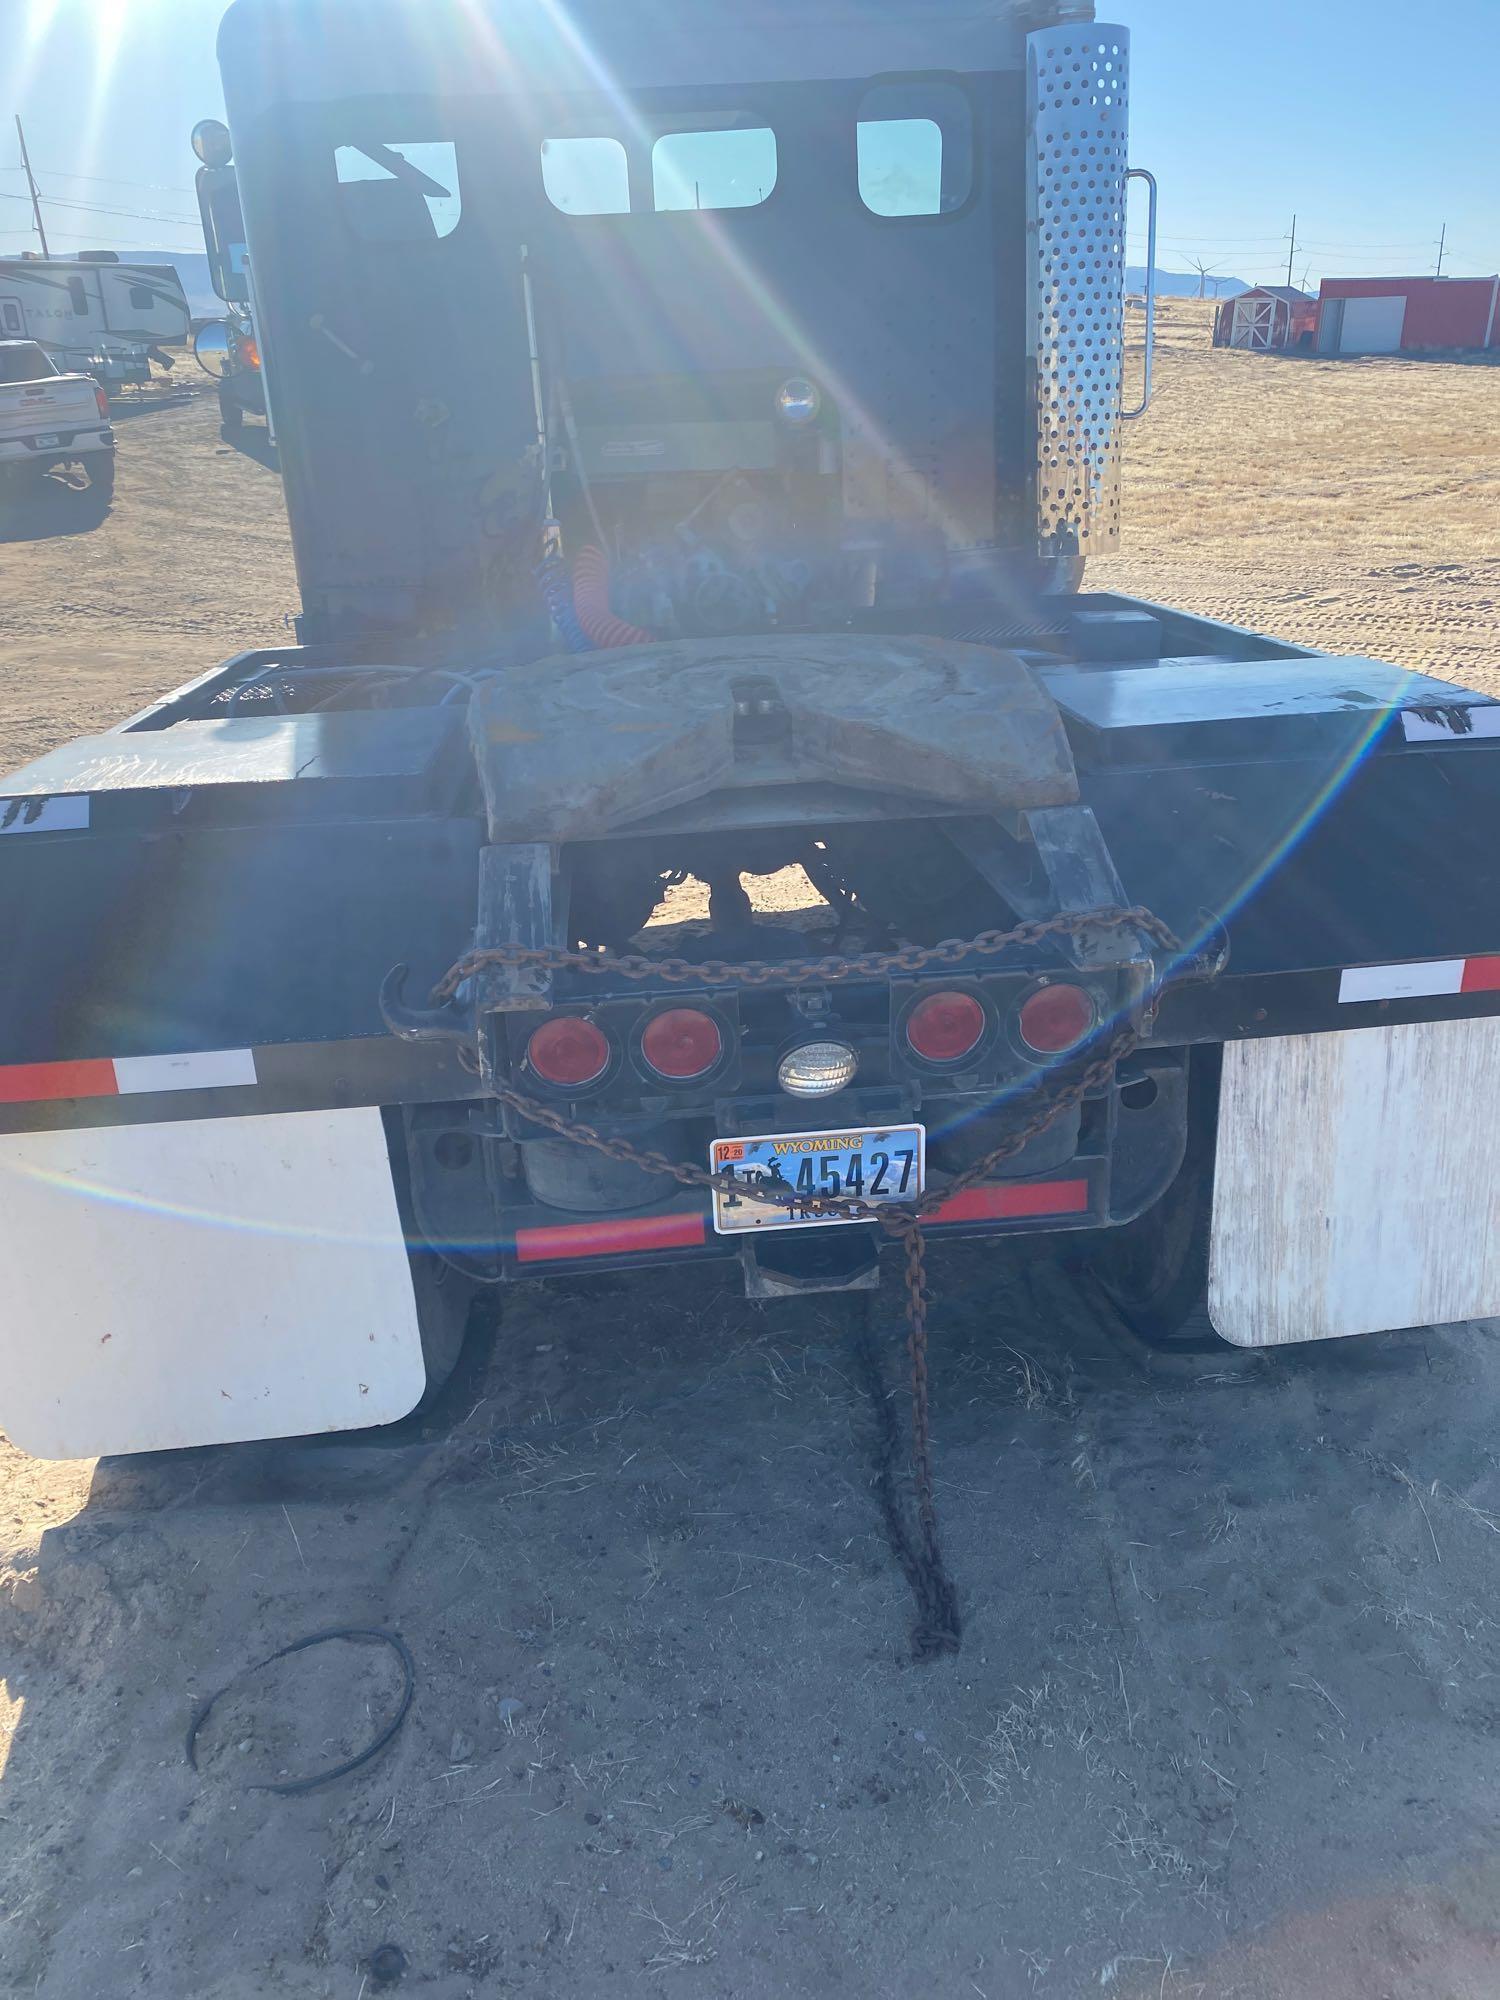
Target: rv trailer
94	315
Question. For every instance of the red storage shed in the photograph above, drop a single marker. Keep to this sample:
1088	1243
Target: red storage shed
1267	319
1395	315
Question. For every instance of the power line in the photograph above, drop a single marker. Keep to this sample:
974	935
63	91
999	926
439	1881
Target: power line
120	243
100	208
1228	239
97	208
111	180
1351	244
1362	249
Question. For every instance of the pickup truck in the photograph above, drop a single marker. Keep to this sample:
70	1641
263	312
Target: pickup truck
53	427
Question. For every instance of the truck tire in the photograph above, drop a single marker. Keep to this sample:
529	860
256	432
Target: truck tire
1154	1271
1061	576
231	410
445	1299
445	1295
101	468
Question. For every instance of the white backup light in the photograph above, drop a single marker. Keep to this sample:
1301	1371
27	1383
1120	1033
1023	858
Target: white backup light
817	1069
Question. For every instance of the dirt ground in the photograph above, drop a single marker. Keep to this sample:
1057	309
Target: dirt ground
193	563
1222	1723
1349	504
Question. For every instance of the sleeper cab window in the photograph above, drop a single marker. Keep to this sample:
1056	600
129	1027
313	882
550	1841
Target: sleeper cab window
586	176
728	169
915	146
398	190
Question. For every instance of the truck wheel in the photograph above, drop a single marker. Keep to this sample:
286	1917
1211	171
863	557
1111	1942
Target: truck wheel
231	411
1061	576
1154	1270
101	469
445	1296
445	1299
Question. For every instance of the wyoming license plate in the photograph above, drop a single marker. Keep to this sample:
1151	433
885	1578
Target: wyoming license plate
48	440
876	1165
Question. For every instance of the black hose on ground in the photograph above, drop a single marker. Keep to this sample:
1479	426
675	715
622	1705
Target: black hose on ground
290	1787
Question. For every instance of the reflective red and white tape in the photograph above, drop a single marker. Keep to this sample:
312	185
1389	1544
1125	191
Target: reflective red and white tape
1432	978
126	1076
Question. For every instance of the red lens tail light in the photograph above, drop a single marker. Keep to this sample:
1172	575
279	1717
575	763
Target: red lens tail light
1056	1017
102	399
568	1050
945	1026
681	1043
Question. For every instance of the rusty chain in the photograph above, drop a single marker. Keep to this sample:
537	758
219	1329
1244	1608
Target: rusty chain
937	1630
800	971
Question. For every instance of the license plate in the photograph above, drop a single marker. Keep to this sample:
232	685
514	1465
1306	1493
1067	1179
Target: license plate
47	440
877	1165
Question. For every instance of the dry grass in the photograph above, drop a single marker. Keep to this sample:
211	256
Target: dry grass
1349	504
687	1940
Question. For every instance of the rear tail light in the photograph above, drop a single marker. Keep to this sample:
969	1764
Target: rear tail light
681	1043
101	399
1056	1017
568	1050
945	1027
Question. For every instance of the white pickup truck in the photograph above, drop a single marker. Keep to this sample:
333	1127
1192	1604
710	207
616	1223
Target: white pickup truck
53	427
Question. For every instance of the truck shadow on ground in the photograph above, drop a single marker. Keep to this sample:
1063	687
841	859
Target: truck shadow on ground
126	409
49	511
1230	1656
252	440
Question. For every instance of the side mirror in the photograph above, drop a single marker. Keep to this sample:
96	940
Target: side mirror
212	143
213	348
223	233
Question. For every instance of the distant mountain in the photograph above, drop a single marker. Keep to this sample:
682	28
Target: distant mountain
1182	284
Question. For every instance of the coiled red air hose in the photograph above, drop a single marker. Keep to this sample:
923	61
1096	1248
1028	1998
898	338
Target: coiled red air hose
596	617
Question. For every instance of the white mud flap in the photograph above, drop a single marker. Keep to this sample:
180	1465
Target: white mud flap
1358	1183
202	1283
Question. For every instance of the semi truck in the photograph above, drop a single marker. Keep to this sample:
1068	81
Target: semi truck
695	424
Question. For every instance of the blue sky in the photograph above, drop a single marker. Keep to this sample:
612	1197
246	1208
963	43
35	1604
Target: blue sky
1374	120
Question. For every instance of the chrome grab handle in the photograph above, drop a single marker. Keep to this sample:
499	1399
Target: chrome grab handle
1140	174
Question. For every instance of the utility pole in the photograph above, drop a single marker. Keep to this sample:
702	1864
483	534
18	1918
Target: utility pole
1442	249
1291	258
36	200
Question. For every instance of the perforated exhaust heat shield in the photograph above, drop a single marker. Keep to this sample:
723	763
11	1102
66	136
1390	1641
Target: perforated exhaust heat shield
1078	148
